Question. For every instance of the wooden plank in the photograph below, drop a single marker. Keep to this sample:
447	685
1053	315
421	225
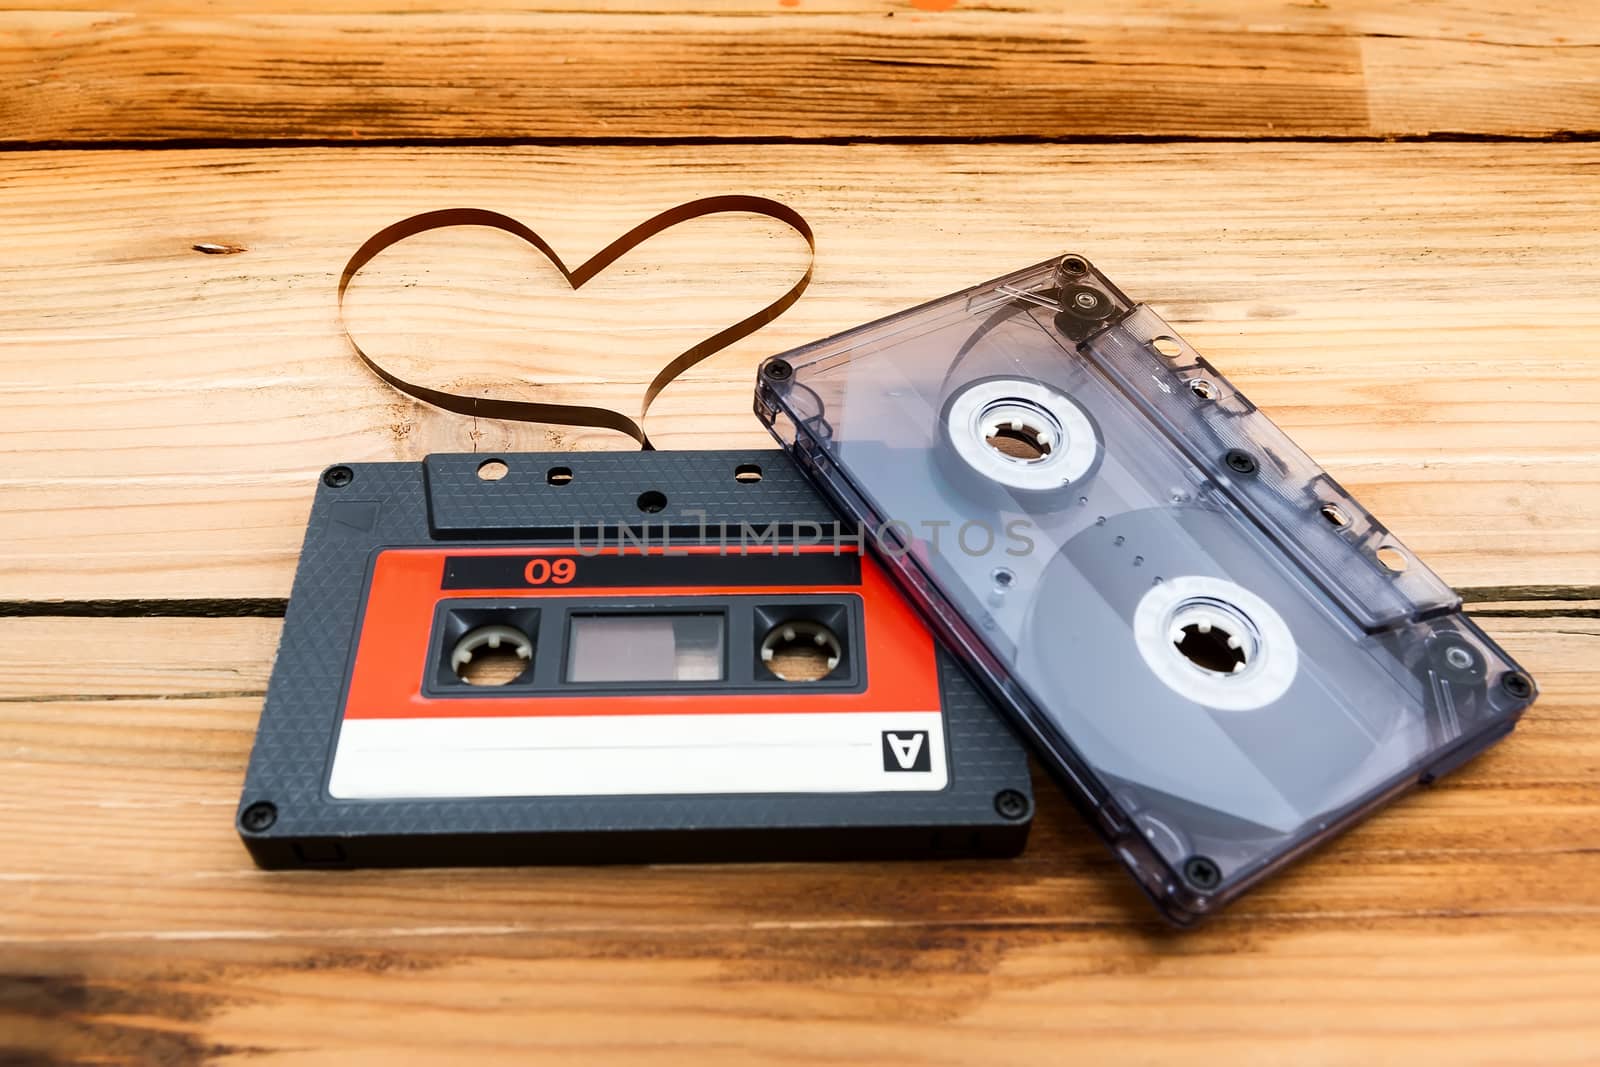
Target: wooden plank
1488	991
136	930
1418	317
364	69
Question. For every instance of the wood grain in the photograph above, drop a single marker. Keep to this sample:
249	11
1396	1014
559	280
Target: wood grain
363	69
1420	318
136	929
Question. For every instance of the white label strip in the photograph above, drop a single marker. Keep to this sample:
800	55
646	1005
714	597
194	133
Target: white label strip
629	755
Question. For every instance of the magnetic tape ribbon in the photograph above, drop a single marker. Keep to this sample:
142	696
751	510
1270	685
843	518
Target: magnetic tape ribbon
575	414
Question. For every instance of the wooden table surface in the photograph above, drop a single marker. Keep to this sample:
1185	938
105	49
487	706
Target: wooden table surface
1382	220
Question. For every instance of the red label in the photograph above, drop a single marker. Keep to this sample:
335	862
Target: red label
392	654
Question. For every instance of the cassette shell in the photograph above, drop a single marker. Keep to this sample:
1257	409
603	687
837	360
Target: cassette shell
381	535
1218	652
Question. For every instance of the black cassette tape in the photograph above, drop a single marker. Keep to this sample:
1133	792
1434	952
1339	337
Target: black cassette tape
600	657
1216	649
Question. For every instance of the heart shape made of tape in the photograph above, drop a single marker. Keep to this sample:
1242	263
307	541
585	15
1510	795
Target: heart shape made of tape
577	414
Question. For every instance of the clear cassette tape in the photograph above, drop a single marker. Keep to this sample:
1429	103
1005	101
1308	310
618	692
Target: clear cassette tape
1219	652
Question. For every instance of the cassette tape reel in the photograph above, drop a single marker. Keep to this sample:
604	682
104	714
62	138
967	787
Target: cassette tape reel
1219	652
598	657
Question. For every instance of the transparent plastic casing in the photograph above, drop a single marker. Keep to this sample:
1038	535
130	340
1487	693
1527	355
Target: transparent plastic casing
1221	655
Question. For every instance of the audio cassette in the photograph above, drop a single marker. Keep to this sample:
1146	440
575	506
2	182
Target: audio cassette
1221	655
608	657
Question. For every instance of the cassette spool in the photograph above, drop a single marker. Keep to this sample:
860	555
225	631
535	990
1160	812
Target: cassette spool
603	657
1222	656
